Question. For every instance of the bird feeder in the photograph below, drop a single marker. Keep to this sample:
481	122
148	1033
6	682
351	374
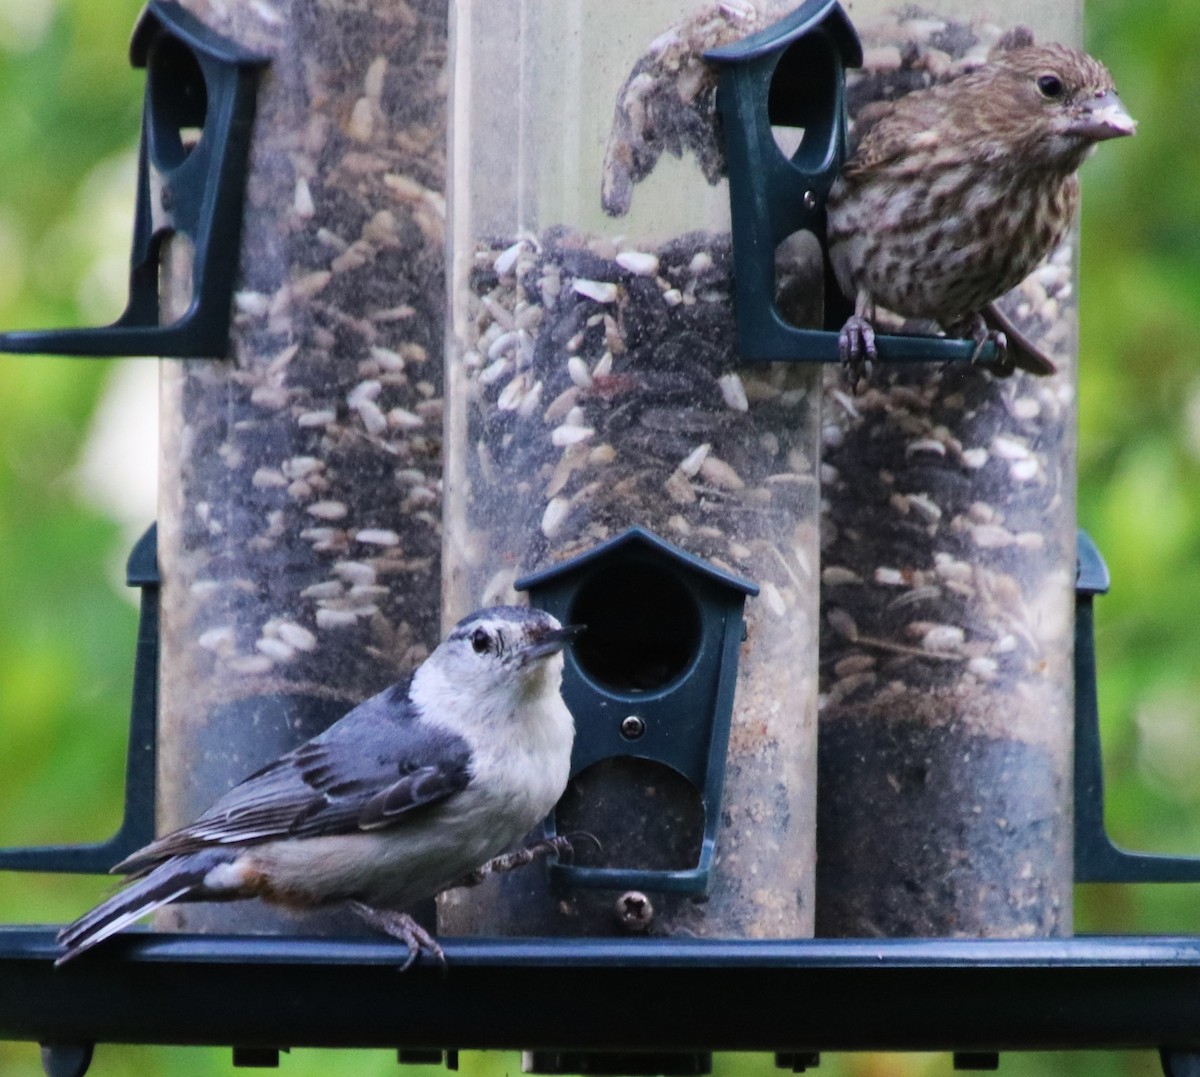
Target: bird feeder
658	691
614	455
287	246
300	523
652	698
948	567
262	993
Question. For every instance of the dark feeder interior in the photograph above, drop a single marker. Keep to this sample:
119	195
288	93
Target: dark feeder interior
974	997
633	655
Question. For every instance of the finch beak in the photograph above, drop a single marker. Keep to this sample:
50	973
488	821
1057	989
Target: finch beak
551	642
1103	117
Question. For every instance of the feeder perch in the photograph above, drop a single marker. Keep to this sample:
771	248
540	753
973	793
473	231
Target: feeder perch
793	74
198	86
651	679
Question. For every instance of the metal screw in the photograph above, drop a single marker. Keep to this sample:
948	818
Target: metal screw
634	911
810	200
632	727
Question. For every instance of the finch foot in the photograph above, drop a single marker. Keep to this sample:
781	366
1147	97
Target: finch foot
856	348
399	925
560	845
978	331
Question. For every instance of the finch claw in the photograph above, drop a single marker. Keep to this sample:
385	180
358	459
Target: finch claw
1002	365
856	349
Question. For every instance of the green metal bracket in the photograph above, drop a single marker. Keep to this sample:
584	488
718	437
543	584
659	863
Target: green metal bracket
1097	858
793	74
196	82
137	825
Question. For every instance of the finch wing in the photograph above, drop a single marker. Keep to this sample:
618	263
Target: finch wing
372	769
885	136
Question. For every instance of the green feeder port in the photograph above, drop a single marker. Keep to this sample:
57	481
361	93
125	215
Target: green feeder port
651	685
199	112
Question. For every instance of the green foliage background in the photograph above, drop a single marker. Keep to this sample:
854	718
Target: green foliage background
69	113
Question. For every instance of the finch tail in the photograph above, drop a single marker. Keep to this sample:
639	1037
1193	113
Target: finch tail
173	880
1022	352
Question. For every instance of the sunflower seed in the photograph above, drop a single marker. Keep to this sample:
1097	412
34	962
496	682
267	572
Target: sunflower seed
600	291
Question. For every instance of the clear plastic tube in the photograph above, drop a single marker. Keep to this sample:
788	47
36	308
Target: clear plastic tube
595	384
948	559
300	520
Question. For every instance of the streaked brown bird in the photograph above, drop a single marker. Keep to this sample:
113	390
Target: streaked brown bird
955	193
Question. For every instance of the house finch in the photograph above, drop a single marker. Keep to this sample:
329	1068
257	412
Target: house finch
955	193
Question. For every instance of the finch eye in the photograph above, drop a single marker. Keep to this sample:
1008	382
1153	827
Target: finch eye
481	641
1050	85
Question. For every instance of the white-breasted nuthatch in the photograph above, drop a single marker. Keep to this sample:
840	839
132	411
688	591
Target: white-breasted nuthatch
405	796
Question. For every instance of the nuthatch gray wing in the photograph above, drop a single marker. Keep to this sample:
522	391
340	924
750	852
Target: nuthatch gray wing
406	795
